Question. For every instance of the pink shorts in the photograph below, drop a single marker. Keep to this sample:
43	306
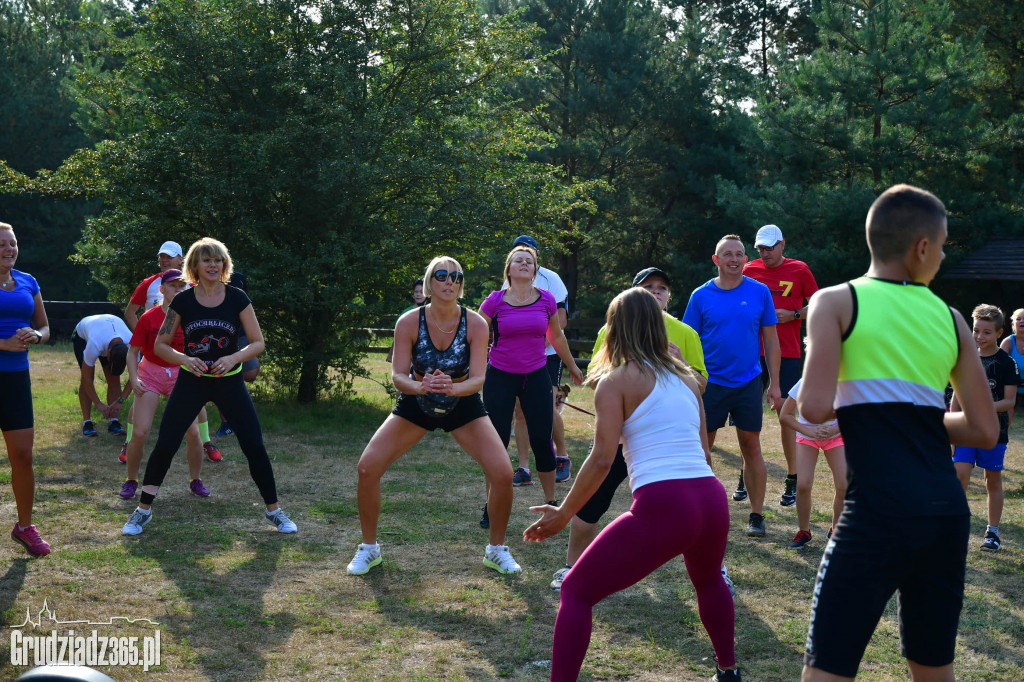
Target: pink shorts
156	378
824	445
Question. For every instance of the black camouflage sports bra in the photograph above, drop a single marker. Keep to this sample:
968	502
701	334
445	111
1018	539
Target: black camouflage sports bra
453	361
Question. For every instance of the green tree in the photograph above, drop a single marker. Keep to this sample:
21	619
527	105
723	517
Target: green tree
41	44
334	147
889	96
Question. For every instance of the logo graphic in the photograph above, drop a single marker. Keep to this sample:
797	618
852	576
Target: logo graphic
81	649
206	343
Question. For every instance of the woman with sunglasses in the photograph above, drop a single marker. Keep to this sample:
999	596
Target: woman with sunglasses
523	319
446	346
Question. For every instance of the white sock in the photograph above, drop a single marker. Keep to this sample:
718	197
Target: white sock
494	547
993	529
371	547
147	512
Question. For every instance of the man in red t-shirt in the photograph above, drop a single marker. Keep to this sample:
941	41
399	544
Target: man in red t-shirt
147	294
792	285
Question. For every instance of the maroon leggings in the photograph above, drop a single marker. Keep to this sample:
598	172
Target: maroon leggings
668	518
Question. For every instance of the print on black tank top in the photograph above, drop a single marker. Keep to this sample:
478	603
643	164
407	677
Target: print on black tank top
453	361
210	333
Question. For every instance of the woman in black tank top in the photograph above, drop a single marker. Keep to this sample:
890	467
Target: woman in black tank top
446	347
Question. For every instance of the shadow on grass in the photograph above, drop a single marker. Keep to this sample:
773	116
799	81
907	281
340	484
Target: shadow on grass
217	616
10	587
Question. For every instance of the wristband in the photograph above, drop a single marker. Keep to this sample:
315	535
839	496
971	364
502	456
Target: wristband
39	336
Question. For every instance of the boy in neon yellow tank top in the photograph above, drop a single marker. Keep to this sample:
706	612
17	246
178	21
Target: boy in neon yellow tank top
880	351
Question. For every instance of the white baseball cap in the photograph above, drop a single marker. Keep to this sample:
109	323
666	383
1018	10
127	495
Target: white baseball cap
769	235
173	249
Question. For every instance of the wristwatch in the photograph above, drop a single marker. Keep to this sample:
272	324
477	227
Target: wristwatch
796	314
39	336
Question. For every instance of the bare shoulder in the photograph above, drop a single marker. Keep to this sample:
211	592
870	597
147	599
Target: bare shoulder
833	295
408	319
476	325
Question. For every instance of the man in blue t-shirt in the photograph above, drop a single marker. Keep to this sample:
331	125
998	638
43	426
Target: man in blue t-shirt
733	314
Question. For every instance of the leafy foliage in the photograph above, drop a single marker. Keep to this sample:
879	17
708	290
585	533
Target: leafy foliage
335	148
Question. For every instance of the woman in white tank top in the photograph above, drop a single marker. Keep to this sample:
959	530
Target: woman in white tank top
651	402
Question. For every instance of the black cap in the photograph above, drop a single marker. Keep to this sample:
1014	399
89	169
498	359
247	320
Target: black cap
647	272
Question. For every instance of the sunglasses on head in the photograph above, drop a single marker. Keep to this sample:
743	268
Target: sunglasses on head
443	275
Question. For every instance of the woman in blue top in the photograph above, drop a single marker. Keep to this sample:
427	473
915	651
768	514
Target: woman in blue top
1014	345
22	323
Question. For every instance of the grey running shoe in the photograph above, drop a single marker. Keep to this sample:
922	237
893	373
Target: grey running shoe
499	558
755	528
563	469
283	523
522	477
560	574
136	521
367	556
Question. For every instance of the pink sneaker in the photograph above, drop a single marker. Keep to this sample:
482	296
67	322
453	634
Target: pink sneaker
122	457
30	540
197	488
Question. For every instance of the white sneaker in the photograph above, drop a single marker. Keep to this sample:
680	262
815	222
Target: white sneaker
498	558
728	581
136	521
283	523
367	556
560	574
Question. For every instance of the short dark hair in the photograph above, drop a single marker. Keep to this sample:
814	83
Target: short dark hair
118	357
899	217
729	237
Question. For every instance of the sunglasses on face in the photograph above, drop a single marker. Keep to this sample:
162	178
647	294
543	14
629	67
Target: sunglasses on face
443	275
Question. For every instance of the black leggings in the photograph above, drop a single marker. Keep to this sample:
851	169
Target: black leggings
187	398
534	392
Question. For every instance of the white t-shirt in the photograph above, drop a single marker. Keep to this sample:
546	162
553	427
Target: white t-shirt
97	331
549	280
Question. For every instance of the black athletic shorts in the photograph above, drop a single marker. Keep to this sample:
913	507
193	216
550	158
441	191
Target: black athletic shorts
598	504
868	559
742	405
16	401
555	369
789	373
468	408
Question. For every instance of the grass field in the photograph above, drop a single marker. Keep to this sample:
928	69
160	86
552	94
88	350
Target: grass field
237	601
